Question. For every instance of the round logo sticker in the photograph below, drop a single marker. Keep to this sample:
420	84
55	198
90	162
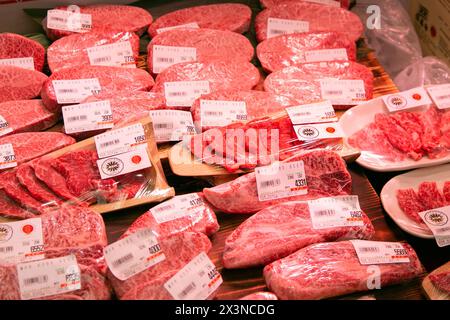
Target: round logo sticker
6	232
436	218
397	102
27	229
112	166
308	132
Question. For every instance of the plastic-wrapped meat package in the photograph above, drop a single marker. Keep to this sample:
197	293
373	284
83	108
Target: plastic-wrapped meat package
199	217
278	231
271	3
179	249
332	269
20	84
14	46
258	104
326	175
297	48
72	51
209	44
108	17
260	296
234	17
441	280
320	18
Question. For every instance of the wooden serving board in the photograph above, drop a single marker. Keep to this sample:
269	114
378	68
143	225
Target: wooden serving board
430	289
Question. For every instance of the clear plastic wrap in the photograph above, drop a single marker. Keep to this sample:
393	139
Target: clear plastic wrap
271	3
292	49
234	17
328	270
441	280
326	175
72	51
20	84
260	296
16	46
279	231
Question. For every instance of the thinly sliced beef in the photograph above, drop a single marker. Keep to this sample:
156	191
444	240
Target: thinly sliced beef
431	138
430	196
447	192
411	204
441	280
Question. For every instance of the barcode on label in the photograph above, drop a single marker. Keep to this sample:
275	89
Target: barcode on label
276	31
35	280
67	90
122	260
369	249
335	92
443	97
109	143
178	94
6	249
77	118
163	125
213	113
270	183
101	59
164	59
165	207
323	213
187	290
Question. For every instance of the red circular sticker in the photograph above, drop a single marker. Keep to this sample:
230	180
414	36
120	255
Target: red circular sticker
417	96
136	159
27	229
331	130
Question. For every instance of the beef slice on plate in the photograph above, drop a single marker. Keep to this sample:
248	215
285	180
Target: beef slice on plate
203	221
412	123
234	17
110	79
432	138
292	49
109	17
19	83
332	269
276	232
27	115
179	249
430	196
445	129
209	44
72	51
447	192
302	82
260	296
272	3
258	104
441	280
320	18
16	46
326	175
411	204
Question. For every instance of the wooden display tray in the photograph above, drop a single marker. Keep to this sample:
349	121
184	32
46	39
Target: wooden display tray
429	288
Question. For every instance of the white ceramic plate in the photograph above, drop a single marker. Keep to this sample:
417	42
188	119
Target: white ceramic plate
361	116
412	179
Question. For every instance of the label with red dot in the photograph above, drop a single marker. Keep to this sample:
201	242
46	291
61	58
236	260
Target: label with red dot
319	131
414	98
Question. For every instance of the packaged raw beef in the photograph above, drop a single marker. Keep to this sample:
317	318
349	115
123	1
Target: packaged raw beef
311	82
20	84
306	17
271	3
260	296
234	17
294	49
18	50
182	213
75	84
24	116
110	48
441	280
177	46
333	269
104	17
276	232
215	109
325	173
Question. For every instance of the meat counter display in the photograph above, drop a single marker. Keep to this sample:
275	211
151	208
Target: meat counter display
197	150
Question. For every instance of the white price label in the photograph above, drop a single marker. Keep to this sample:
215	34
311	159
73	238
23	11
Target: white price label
281	180
178	207
172	125
118	54
217	113
75	91
123	163
440	95
48	277
319	131
184	93
312	113
377	252
7	156
438	220
120	140
277	27
165	56
413	98
341	211
326	55
69	21
196	281
343	92
133	254
191	25
88	117
331	3
25	63
21	241
4	127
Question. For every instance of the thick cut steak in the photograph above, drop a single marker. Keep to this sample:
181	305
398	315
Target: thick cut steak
258	104
179	249
110	17
291	49
16	46
278	231
260	296
302	84
272	3
27	115
11	209
72	51
326	175
19	83
320	18
209	44
225	16
30	145
110	79
332	269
